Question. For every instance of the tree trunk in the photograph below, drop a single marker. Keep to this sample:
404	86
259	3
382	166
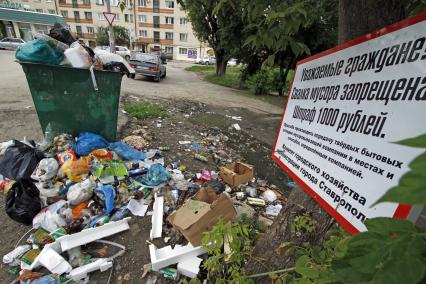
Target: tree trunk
221	62
356	18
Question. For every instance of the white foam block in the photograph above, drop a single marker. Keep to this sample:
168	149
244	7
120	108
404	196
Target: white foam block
190	267
166	256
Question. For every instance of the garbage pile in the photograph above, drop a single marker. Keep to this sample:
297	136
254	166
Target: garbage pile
77	190
59	47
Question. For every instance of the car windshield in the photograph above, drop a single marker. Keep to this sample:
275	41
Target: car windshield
145	57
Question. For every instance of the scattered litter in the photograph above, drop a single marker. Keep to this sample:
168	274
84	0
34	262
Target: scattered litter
137	207
273	210
236	126
167	256
190	267
157	217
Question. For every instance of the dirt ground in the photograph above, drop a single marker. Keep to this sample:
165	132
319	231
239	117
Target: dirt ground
194	108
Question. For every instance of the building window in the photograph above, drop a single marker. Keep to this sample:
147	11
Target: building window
88	15
64	14
117	17
79	30
48	1
169	49
143	33
169	35
131	18
101	17
51	11
142	18
87	2
129	4
170	4
183	51
170	20
114	3
156	36
39	10
90	30
142	3
183	21
183	37
156	6
99	2
126	18
77	15
156	21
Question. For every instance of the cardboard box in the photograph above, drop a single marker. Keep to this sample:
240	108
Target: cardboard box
200	213
236	173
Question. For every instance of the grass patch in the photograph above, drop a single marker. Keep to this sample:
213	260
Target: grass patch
145	110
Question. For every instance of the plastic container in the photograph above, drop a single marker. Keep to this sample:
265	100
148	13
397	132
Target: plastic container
78	56
66	97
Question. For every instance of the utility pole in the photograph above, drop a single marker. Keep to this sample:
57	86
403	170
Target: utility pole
111	36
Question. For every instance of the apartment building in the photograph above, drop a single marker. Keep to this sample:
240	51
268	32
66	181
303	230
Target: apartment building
153	25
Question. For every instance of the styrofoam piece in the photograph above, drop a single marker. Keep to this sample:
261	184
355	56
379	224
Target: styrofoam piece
36	263
190	267
81	272
89	235
54	262
157	218
166	256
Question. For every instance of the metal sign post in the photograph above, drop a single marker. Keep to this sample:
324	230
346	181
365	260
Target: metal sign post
110	17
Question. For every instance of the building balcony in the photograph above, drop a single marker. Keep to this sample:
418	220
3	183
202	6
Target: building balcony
151	10
166	41
161	26
144	40
146	25
75	5
80	21
84	35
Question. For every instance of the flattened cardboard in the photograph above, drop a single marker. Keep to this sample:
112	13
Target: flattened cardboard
200	213
235	174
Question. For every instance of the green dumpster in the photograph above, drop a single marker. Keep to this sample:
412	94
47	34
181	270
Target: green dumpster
66	98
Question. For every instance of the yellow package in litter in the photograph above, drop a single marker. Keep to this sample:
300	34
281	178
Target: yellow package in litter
74	170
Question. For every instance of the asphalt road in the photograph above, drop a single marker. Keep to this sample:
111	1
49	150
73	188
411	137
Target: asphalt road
18	118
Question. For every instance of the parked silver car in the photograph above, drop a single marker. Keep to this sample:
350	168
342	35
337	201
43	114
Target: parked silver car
11	43
149	65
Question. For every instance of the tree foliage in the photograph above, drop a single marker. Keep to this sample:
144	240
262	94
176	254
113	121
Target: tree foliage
121	36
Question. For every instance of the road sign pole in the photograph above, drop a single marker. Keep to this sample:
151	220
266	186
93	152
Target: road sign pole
111	35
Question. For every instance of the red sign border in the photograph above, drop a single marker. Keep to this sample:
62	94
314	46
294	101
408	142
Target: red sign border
403	210
109	13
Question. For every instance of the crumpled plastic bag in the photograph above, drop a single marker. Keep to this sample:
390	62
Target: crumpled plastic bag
87	142
39	51
126	152
13	257
156	174
269	196
23	202
108	195
46	170
20	161
75	169
49	218
273	210
102	168
80	192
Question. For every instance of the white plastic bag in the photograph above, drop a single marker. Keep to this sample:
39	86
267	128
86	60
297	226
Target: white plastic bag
46	170
49	218
80	192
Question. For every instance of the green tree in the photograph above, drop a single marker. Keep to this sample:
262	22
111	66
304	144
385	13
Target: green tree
121	36
219	27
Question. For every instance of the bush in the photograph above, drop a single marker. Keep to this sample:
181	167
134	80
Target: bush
261	82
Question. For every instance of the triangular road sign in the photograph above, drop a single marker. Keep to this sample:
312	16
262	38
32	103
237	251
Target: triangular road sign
110	17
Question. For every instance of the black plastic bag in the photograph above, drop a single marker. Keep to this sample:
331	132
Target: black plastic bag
23	202
20	161
61	33
117	66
